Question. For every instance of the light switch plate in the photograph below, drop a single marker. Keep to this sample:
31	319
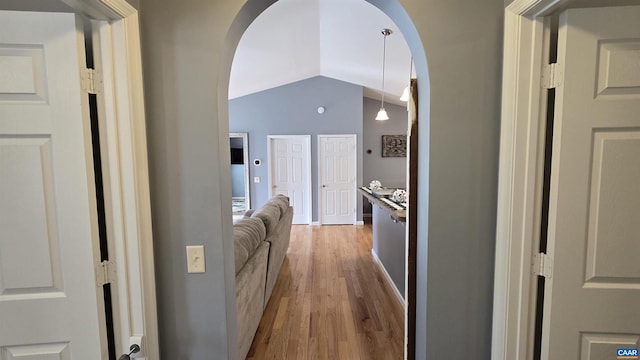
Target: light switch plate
195	259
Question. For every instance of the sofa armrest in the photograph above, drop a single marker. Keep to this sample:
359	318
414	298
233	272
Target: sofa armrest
279	239
250	288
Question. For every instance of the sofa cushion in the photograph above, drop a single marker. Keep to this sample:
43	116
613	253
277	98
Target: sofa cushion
248	233
270	214
282	201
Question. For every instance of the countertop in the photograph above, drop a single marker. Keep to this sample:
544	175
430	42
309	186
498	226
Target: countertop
396	211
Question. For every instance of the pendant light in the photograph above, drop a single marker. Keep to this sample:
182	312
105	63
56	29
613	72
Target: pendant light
406	94
382	114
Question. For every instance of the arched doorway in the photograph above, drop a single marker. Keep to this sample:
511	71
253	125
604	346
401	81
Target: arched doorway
250	11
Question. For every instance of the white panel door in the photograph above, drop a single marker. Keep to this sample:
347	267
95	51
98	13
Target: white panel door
290	172
50	306
337	173
591	303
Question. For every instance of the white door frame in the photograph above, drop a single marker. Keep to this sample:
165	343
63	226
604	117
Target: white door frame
355	167
307	140
245	159
126	178
522	140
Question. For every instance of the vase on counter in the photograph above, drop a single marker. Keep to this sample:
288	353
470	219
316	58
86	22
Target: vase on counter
375	185
399	196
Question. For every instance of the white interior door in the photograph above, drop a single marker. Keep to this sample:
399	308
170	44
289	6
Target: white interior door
337	169
50	306
290	172
591	299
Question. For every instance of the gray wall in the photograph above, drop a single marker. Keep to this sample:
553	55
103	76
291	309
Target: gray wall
189	173
188	48
389	245
292	110
458	174
390	171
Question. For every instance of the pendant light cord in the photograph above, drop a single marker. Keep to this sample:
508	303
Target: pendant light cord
385	32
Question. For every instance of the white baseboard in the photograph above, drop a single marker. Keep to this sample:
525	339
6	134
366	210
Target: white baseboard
387	277
317	223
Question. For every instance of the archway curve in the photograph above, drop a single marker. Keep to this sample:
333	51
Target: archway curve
394	10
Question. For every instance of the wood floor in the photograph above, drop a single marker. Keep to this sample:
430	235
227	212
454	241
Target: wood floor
330	301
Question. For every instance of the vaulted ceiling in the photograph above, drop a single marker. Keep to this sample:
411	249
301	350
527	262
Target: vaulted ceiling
298	39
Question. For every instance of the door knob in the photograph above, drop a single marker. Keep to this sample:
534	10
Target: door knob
135	348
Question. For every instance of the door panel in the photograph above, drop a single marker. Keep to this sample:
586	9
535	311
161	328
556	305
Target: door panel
49	301
337	161
614	209
290	173
590	306
30	219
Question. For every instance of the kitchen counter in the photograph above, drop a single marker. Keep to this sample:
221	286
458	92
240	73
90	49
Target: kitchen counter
389	236
396	211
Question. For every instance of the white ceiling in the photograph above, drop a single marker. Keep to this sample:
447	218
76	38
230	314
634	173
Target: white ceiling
298	39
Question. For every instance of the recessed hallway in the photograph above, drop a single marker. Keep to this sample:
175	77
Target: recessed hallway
330	301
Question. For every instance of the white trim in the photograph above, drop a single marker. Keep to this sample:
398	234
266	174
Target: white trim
359	223
535	8
309	196
388	280
126	148
245	154
103	9
520	178
355	167
136	192
121	7
315	223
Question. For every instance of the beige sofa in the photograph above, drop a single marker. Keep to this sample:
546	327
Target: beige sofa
261	240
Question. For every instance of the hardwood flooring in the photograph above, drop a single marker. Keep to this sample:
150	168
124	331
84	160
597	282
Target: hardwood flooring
330	301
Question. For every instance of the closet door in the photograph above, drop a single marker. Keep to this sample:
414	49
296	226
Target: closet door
591	295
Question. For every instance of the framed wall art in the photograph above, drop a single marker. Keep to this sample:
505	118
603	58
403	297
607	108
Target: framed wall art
394	145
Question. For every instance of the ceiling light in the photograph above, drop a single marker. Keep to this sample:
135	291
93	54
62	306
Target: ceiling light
382	114
406	93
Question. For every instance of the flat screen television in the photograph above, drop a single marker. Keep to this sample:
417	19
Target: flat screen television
237	156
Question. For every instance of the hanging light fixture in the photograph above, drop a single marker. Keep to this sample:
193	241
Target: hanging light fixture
406	94
382	114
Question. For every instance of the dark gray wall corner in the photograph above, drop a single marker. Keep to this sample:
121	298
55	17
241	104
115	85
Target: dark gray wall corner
134	3
390	171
